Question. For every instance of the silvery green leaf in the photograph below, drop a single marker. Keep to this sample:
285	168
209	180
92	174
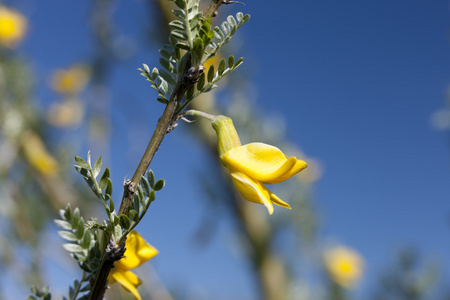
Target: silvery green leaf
134	215
179	14
179	35
218	33
140	195
159	184
225	28
145	186
111	203
221	66
183	46
230	61
201	82
109	188
177	24
86	240
238	62
97	167
211	73
71	293
104	179
34	290
195	20
167	65
81	162
163	86
67	235
232	21
239	16
180	3
162	100
125	222
115	220
151	178
62	213
79	257
73	247
88	160
79	231
63	224
167	77
155	73
75	218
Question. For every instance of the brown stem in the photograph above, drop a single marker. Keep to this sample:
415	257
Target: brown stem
166	121
188	77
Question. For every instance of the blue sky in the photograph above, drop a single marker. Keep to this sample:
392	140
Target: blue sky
357	82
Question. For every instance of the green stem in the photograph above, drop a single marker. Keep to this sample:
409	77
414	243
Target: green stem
194	112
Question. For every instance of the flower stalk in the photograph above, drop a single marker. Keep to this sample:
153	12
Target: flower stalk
189	76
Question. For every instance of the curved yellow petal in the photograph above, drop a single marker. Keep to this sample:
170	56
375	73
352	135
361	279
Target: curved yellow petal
138	251
128	280
298	166
251	190
274	198
263	162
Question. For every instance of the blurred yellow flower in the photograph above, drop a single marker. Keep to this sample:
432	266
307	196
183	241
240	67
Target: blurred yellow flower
12	27
70	81
69	113
344	265
138	251
37	155
253	165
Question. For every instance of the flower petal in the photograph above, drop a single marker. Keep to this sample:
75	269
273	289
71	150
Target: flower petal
138	251
128	280
274	198
251	190
263	162
298	166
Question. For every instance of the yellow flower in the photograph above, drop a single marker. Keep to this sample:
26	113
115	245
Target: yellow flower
37	155
138	251
12	27
70	81
253	165
344	265
68	113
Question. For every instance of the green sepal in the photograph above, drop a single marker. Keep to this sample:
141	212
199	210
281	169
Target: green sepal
125	222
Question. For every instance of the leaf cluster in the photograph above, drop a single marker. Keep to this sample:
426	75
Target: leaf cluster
102	189
43	294
119	227
208	80
82	244
192	33
85	240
